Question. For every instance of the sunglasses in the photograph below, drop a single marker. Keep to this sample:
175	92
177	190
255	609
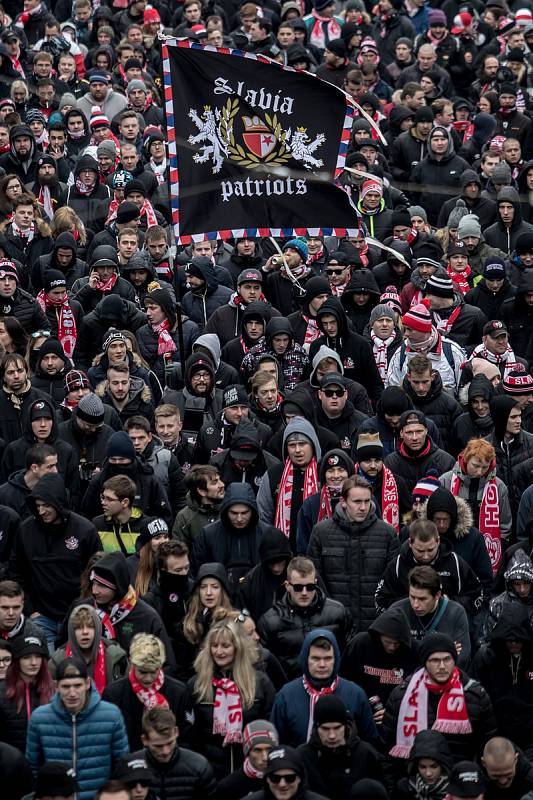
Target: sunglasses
333	392
278	778
335	271
300	587
244	615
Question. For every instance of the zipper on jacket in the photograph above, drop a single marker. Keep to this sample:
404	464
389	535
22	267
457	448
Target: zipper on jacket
74	745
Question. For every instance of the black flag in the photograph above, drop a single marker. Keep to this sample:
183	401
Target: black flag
247	140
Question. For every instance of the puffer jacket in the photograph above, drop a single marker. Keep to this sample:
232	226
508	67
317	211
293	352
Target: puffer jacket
26	310
498	235
200	304
351	558
90	742
509	459
284	627
413	467
478	709
437	405
187	776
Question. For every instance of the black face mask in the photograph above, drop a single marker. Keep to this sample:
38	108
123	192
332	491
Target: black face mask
121	469
172	584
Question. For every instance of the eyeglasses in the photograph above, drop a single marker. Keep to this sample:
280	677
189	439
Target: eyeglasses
41	334
335	271
333	392
301	587
278	778
5	661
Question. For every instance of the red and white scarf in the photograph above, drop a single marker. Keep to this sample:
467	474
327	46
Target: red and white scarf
98	669
227	711
27	233
379	347
119	611
66	323
452	716
283	506
390	501
459	279
445	324
150	696
47	201
489	510
165	343
312	332
250	771
317	34
107	286
314	695
147	210
83	188
508	359
325	510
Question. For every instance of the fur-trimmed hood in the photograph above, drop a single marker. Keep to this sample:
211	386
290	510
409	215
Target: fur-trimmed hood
137	388
464	522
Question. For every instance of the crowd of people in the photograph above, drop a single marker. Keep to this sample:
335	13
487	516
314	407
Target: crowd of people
266	507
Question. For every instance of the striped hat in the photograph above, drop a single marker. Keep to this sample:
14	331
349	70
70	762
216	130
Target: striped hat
427	260
418	318
390	297
426	486
98	119
518	383
371	185
440	286
259	732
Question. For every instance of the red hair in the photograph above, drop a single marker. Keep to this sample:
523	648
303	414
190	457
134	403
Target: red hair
16	686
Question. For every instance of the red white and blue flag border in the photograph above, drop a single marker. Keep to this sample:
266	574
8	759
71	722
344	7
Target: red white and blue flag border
233	233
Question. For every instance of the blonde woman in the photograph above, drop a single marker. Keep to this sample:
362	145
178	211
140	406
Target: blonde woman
226	693
210	591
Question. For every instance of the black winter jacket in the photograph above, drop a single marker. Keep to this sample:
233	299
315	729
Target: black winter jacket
201	737
13	722
122	695
498	235
76	269
412	466
478	708
467	328
12	416
490	302
351	557
187	776
25	309
431	174
332	773
48	559
367	664
284	627
518	317
148	340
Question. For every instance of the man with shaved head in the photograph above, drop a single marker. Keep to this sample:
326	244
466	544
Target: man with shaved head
509	774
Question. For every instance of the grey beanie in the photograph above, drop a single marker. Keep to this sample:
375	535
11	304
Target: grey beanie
457	213
107	148
381	310
469	226
418	211
68	100
501	174
136	83
91	409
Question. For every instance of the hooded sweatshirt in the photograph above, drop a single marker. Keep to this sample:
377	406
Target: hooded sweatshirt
51	557
200	303
293	361
258	588
498	234
292	706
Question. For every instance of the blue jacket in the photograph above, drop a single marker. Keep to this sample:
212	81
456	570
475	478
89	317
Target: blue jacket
290	712
90	742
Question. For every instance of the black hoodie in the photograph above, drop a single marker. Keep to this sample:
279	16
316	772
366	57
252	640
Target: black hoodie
366	663
48	560
236	548
11	163
355	352
469	425
362	280
76	268
141	618
498	235
427	744
14	457
259	586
